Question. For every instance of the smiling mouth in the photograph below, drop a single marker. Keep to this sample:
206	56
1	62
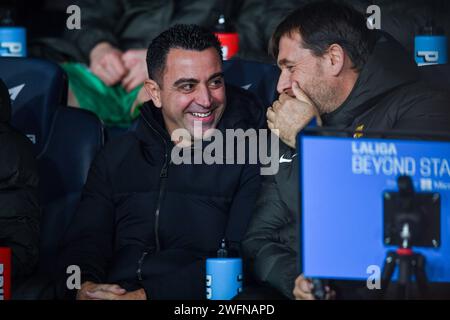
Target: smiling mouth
201	114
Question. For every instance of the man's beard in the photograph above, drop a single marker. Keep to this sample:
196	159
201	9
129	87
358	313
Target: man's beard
323	95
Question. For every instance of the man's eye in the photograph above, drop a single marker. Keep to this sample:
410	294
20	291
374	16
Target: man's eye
290	68
216	83
187	87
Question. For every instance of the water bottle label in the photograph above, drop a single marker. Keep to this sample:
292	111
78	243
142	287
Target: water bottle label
223	278
430	50
13	42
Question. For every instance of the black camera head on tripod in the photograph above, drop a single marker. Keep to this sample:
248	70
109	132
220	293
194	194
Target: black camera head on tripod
411	218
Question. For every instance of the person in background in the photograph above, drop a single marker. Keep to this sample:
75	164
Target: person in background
19	208
106	56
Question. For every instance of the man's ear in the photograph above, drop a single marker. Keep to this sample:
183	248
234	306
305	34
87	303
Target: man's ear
335	59
154	91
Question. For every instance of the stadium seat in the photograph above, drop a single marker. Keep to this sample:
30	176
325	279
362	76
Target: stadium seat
66	141
75	138
37	87
258	78
437	76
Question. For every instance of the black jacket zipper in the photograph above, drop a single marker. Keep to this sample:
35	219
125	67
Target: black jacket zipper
162	186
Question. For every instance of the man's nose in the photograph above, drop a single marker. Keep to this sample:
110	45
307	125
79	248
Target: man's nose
284	83
204	97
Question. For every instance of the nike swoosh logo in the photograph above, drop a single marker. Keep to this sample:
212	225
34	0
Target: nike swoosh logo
246	87
284	160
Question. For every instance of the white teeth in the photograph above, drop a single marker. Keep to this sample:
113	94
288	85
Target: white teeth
201	115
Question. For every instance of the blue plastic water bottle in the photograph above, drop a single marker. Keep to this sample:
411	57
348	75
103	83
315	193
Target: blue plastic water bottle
223	275
13	39
430	46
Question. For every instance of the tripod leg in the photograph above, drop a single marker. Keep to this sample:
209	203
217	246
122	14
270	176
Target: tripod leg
404	276
388	270
421	276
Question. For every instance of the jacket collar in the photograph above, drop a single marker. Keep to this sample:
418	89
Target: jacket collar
387	68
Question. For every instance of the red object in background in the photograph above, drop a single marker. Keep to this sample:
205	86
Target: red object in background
5	273
227	34
229	42
405	252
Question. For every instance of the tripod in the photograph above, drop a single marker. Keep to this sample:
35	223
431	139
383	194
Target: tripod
409	264
406	215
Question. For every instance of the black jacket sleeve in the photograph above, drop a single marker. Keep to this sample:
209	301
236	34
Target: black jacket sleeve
89	239
19	209
270	242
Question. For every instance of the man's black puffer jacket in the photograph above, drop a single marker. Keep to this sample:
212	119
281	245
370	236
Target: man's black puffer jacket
19	209
146	222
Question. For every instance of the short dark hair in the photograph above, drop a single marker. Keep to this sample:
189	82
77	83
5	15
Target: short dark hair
324	23
180	36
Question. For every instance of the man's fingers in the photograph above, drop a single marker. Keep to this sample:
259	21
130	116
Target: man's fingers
134	84
270	114
114	76
94	291
128	60
101	295
300	295
126	81
302	289
117	289
131	81
276	105
129	64
133	56
283	97
107	65
130	84
103	74
271	126
113	288
300	94
305	286
113	65
117	65
105	292
134	78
